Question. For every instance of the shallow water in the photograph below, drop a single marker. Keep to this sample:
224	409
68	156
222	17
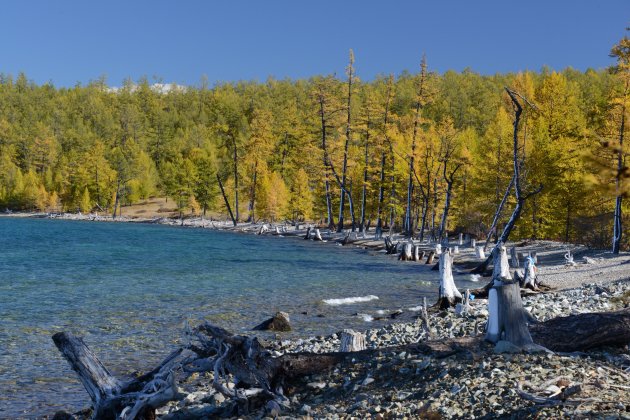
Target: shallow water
128	288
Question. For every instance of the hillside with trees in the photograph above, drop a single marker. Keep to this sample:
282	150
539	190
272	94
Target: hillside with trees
425	152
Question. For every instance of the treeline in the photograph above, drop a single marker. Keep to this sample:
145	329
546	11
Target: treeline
393	152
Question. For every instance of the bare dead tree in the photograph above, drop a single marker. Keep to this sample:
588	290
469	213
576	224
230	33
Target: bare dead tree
227	202
381	194
518	192
350	71
408	226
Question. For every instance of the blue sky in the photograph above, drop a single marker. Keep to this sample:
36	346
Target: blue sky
70	41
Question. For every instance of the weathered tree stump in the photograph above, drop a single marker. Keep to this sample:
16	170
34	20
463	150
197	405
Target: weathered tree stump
473	243
430	257
352	341
514	262
438	249
449	295
308	233
530	276
405	253
480	253
416	253
317	236
460	241
501	269
507	319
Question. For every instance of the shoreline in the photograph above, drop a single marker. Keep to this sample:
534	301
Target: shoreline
591	265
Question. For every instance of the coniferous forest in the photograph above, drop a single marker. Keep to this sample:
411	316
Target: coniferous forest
420	152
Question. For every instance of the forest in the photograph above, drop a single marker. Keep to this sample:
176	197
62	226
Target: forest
424	153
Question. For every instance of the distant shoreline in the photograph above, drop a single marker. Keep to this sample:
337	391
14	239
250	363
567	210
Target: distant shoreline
592	265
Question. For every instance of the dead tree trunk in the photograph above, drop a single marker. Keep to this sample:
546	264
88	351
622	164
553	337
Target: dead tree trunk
227	202
381	199
497	214
447	201
344	169
584	331
520	197
408	225
507	319
617	230
365	177
235	159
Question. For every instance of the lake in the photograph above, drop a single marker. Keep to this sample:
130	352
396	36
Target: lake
128	288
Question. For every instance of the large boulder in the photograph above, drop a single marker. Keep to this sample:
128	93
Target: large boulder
279	322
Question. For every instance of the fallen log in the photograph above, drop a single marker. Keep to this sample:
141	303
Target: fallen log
583	331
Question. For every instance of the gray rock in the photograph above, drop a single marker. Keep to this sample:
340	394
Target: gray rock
506	347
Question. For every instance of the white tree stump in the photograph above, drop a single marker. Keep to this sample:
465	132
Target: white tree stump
263	229
514	262
352	341
406	252
501	269
438	249
456	249
416	253
449	295
318	235
460	241
568	257
473	244
480	253
530	276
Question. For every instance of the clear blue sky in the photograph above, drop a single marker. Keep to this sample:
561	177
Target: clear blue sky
70	41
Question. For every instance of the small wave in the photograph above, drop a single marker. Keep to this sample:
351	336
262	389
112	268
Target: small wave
350	300
366	317
475	277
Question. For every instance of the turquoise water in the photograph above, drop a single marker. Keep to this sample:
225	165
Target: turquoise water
128	288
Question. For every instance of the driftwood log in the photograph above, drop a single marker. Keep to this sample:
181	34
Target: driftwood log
584	331
112	398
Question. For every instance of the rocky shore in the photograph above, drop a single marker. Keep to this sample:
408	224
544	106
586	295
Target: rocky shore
487	382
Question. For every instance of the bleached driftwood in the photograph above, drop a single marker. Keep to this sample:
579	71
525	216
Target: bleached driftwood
263	229
112	398
456	249
317	236
438	249
352	341
449	295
